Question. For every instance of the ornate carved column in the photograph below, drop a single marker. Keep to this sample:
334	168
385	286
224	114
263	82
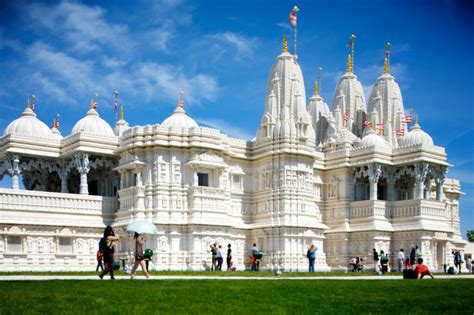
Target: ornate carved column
440	176
82	165
14	170
62	173
374	172
421	170
390	176
140	196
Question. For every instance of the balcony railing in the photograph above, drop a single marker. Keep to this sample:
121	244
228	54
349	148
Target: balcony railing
41	207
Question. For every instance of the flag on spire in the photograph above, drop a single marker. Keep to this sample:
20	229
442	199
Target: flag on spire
56	122
408	119
346	116
116	102
366	123
292	17
33	105
400	132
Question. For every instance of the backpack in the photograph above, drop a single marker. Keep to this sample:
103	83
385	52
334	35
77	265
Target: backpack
103	246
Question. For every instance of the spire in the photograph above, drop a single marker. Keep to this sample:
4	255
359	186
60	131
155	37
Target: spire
121	113
416	119
180	100
351	46
386	68
349	64
285	44
316	88
386	63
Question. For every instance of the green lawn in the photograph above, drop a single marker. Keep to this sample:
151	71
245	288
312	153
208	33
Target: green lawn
238	297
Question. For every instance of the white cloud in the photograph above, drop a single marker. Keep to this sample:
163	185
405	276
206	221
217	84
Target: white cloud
286	26
226	128
243	45
84	27
159	38
168	80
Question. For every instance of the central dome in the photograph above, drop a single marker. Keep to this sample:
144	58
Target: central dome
28	125
94	125
179	120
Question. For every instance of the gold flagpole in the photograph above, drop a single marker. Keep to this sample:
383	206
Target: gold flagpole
295	10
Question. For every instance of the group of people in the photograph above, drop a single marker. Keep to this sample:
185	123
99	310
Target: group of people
107	249
217	259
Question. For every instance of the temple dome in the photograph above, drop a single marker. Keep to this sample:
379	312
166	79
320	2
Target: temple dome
416	136
29	126
179	120
371	139
92	124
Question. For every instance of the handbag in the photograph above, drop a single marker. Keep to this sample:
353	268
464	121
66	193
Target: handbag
139	256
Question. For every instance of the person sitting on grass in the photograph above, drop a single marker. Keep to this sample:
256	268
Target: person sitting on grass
422	270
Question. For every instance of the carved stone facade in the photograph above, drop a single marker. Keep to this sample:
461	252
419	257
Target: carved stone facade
311	176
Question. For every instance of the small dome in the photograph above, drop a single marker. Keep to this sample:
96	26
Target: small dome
371	139
56	133
94	125
416	136
29	126
179	120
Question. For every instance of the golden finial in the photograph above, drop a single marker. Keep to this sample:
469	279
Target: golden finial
285	44
121	113
92	104
385	66
316	88
28	103
349	64
295	9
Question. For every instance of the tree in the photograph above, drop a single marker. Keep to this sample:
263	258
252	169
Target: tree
470	235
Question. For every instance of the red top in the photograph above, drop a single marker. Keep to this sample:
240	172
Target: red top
422	269
99	255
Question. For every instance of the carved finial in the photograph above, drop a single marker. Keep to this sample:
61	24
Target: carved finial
316	88
349	64
351	46
121	113
28	103
386	64
285	44
116	93
181	100
416	119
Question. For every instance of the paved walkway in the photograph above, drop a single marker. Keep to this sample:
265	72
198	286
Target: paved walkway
65	277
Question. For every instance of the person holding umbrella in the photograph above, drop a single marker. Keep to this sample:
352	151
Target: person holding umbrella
139	257
140	227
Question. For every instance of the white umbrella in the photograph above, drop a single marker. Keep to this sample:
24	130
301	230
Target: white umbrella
142	227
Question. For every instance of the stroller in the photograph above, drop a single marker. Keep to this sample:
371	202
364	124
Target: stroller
356	264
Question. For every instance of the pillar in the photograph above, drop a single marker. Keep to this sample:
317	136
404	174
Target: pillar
14	170
82	165
421	170
440	176
390	186
374	173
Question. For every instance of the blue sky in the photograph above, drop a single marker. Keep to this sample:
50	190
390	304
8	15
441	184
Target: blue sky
220	53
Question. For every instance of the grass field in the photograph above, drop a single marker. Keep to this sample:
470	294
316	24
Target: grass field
238	297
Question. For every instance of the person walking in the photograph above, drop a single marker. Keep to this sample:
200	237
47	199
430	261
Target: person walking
384	262
139	257
229	257
100	257
219	258
213	256
400	259
376	261
311	254
106	245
